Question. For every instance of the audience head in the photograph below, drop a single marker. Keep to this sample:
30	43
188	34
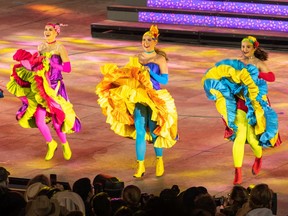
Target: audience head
32	190
153	206
12	203
205	202
239	195
170	194
4	177
191	194
101	204
48	191
261	197
70	200
116	203
131	195
83	187
42	205
43	179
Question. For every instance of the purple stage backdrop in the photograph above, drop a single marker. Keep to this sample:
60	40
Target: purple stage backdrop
222	6
214	20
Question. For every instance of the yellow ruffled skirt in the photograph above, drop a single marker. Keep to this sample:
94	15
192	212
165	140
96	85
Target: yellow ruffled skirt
120	90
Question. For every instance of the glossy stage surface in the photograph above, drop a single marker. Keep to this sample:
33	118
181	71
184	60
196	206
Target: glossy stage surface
201	157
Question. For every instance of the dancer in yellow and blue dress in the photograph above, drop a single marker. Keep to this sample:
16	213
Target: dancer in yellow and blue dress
239	87
37	81
135	105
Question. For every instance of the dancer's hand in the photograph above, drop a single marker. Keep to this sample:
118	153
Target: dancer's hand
142	59
146	68
55	65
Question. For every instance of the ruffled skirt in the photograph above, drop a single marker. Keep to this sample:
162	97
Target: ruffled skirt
34	89
231	79
122	88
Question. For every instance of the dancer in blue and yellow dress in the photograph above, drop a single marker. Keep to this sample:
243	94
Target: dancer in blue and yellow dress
135	104
37	81
239	87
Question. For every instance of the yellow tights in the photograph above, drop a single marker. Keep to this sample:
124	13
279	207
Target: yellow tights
244	132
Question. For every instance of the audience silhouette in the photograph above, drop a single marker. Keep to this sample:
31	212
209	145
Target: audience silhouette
42	198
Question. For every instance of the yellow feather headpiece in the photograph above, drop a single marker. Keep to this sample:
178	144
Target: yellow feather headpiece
153	32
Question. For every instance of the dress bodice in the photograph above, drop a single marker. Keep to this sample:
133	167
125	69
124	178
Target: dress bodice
52	52
55	73
154	68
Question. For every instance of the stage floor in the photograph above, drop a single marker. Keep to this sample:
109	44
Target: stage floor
201	156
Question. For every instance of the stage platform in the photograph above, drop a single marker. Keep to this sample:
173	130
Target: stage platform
111	29
201	156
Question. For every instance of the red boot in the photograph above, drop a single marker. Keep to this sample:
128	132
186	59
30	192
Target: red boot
238	176
257	166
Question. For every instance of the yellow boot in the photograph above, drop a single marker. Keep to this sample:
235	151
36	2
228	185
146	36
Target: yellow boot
140	169
52	146
159	166
66	151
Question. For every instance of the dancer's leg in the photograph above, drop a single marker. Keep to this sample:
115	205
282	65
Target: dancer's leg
44	129
140	119
152	126
240	140
254	142
41	124
60	134
67	153
158	151
256	148
239	145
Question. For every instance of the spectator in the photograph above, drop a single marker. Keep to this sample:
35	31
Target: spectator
132	196
204	202
33	190
259	202
168	198
69	200
101	204
44	206
43	179
238	196
83	187
189	197
11	202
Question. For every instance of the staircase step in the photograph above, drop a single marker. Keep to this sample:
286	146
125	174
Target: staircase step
242	7
133	9
198	18
252	23
132	3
